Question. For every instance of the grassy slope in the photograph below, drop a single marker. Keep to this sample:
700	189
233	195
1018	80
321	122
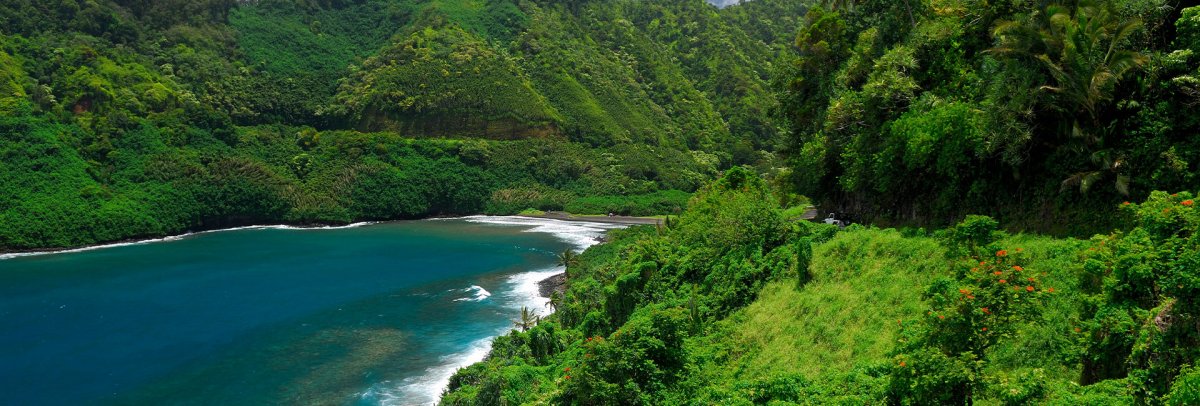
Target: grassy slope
838	332
866	284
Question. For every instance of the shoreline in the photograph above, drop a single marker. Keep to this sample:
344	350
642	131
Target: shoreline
9	254
554	283
16	253
622	220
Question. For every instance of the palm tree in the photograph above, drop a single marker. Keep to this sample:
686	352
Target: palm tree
1082	50
528	319
555	301
568	258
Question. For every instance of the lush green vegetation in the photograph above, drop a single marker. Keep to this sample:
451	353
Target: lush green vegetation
731	304
132	118
926	111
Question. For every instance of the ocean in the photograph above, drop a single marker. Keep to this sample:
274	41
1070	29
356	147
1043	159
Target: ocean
368	314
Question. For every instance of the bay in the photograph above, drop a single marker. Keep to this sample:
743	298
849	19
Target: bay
376	314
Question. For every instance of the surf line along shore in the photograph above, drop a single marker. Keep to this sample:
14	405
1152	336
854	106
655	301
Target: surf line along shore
558	282
580	231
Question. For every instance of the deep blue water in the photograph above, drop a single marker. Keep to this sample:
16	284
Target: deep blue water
379	314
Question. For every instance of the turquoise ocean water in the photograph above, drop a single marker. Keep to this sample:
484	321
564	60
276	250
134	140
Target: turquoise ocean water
364	315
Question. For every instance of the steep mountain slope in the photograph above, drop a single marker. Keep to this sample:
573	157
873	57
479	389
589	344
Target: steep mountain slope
133	118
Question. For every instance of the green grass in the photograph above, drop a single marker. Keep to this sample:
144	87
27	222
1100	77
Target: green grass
866	283
863	282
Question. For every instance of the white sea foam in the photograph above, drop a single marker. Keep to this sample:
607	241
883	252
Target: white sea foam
427	389
177	237
578	233
478	294
525	291
521	290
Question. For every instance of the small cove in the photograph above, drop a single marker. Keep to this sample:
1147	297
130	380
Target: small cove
377	314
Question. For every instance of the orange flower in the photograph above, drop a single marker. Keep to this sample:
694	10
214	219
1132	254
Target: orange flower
902	364
1004	281
971	297
1125	204
986	311
1018	268
1001	253
1187	203
568	376
567	369
1051	290
1077	330
941	317
997	273
983	329
963	291
1031	279
1029	288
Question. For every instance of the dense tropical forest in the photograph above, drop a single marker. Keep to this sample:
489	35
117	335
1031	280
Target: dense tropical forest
733	304
1020	174
130	119
1050	117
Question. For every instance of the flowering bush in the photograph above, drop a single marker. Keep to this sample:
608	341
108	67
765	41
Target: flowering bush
993	295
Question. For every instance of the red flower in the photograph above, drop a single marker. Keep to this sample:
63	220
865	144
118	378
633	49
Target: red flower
1125	204
1004	281
1029	288
567	369
941	317
986	311
568	376
1001	253
1187	203
984	329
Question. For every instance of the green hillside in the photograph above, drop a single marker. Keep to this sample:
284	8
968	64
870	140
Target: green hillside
1020	150
1044	114
131	119
730	304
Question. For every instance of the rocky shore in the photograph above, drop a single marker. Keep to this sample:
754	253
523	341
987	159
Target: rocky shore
556	283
